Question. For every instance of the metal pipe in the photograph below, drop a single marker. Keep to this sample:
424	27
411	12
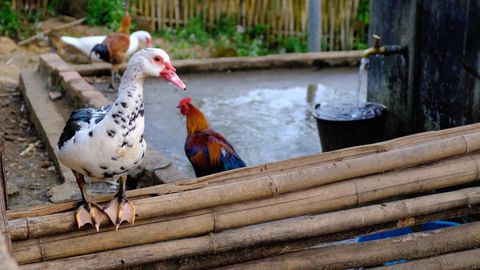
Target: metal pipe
383	50
314	25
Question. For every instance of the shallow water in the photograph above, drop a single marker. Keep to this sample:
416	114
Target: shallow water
348	111
266	115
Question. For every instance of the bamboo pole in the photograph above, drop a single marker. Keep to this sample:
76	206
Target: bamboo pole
4	232
177	13
413	246
160	19
6	260
469	259
322	199
5	239
266	186
285	230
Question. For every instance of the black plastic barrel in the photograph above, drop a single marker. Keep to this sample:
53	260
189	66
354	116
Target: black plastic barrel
337	131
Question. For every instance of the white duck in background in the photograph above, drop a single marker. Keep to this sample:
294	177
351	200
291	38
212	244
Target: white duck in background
86	44
107	143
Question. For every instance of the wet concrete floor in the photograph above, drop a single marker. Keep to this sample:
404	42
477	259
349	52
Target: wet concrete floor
265	114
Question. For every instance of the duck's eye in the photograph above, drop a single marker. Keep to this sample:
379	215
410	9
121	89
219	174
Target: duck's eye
158	59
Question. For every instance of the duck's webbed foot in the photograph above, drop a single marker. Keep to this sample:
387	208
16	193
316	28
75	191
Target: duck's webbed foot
90	213
120	209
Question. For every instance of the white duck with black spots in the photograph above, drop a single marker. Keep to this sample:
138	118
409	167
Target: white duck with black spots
107	143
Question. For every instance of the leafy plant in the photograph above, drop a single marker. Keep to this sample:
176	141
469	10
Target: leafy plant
15	24
9	20
105	12
295	44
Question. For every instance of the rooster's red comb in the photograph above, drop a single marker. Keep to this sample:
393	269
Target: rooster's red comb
185	101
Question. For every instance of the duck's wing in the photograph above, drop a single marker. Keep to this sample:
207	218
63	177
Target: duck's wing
81	119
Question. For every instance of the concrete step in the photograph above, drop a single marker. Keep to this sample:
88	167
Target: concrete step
49	122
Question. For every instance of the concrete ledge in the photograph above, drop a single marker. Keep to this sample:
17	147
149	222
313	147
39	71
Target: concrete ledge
291	60
49	124
62	76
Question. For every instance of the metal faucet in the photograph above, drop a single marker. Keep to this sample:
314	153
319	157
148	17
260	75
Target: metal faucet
384	50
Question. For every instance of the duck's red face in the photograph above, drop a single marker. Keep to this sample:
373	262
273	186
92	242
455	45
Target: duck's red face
168	72
184	105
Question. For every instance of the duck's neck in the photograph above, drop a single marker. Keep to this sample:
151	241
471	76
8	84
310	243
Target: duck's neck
133	44
127	111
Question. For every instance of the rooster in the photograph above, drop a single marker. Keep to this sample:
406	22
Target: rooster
113	50
107	143
114	47
208	151
125	23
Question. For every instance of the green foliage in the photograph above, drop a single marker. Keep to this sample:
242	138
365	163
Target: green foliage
295	44
9	20
16	25
363	17
105	12
194	31
363	14
359	45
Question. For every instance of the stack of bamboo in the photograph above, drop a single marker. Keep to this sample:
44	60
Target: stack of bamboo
287	208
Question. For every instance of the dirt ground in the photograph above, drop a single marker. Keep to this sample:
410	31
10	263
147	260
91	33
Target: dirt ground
29	171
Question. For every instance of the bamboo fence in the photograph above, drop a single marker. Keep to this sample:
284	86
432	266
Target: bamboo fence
31	6
283	18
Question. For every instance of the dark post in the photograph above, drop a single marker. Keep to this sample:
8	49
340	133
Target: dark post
436	85
388	76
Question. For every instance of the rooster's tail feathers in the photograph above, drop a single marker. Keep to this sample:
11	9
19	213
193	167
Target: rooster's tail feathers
101	50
